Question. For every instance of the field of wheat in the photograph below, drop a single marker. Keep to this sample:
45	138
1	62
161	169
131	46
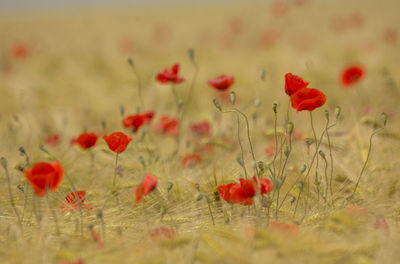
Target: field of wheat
243	132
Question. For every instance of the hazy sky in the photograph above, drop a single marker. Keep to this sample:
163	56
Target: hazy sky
51	4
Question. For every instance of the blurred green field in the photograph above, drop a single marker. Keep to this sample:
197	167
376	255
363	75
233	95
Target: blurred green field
75	78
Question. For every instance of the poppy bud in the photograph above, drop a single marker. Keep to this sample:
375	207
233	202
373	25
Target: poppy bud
170	185
290	127
20	167
22	150
198	197
232	97
384	118
327	115
286	150
44	149
217	105
338	110
300	185
130	61
262	74
21	188
3	162
322	154
191	54
240	161
292	200
303	168
308	141
261	165
257	102
274	107
122	110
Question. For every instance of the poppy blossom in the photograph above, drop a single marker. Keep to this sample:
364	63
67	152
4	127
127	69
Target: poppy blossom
167	125
45	176
289	229
202	129
148	184
117	141
265	185
163	232
75	200
222	82
294	83
137	120
241	193
351	75
191	160
171	76
307	99
19	50
53	140
86	140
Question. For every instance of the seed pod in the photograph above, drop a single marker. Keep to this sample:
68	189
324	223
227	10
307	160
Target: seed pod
130	61
338	110
217	105
327	115
322	154
290	127
232	97
303	168
275	107
286	150
170	185
384	118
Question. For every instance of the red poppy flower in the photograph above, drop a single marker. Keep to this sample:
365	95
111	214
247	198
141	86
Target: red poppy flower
307	99
163	232
148	184
148	116
117	141
167	125
133	121
86	140
73	202
289	229
170	76
19	50
294	83
240	193
351	75
202	129
191	160
222	83
265	185
53	140
45	176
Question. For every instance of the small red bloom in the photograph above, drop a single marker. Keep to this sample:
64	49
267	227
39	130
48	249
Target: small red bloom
222	82
191	160
308	99
19	50
148	184
240	193
86	140
73	202
148	116
170	76
167	125
45	176
134	121
294	83
289	229
163	232
265	185
202	129
270	151
117	141
351	75
53	140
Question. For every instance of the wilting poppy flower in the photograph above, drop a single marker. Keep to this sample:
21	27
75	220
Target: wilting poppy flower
289	229
351	75
167	76
222	82
202	129
191	160
75	200
294	83
148	184
19	50
53	140
163	232
167	125
307	99
117	141
45	176
86	140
